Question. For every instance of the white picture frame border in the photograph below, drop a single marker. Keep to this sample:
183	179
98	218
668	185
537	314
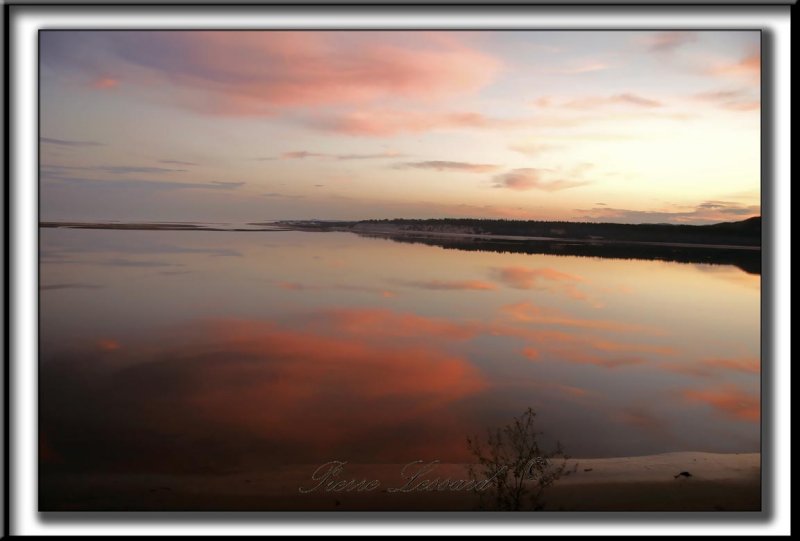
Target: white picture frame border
25	22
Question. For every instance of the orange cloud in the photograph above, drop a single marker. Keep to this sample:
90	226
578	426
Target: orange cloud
223	395
748	366
294	286
105	83
575	347
753	105
107	344
612	346
715	367
728	400
527	312
748	68
363	383
297	286
531	353
322	354
543	337
687	369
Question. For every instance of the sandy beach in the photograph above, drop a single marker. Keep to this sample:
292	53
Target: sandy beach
717	482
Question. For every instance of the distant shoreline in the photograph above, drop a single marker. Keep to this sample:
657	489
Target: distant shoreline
489	236
744	235
160	226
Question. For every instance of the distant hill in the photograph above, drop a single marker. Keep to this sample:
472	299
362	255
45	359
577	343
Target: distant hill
751	225
742	233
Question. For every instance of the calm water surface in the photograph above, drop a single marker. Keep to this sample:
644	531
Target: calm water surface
169	352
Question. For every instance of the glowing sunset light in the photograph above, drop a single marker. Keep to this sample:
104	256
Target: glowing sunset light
635	127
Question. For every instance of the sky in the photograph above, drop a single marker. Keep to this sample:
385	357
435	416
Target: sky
241	126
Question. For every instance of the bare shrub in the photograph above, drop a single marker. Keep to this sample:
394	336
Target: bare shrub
518	469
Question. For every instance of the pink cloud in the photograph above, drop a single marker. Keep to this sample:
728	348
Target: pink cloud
388	323
641	418
533	179
460	167
734	100
301	155
387	122
570	390
587	67
252	73
490	211
728	400
455	285
667	41
715	367
564	390
596	102
753	105
525	278
533	149
583	356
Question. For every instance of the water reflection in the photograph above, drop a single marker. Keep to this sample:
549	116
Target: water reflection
393	353
254	392
747	260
